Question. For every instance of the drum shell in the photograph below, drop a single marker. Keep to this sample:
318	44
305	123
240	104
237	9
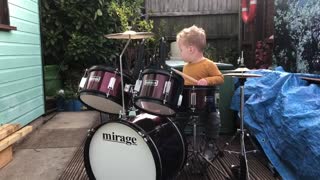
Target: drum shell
153	88
98	79
204	96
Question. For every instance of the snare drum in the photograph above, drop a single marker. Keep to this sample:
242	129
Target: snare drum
145	147
102	89
159	93
198	98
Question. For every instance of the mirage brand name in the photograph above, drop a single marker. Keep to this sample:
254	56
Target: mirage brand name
95	78
119	138
151	82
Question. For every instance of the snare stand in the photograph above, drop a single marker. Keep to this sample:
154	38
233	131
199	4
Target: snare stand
196	152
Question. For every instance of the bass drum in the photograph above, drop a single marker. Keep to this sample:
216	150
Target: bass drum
146	147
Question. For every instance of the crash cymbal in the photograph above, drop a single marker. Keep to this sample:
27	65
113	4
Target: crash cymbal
129	35
243	75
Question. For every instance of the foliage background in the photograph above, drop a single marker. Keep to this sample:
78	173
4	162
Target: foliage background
297	35
72	33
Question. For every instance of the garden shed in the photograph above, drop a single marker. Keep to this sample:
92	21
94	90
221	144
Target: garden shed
21	77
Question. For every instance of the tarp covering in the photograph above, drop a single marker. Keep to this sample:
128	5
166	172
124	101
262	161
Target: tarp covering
283	112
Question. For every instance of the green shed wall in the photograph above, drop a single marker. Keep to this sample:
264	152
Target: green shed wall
21	78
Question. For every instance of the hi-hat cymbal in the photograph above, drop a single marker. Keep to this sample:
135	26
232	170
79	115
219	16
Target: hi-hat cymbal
238	70
243	75
129	35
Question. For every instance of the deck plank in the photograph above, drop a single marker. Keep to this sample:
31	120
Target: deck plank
75	168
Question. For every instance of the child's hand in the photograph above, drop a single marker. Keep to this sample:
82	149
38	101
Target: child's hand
202	82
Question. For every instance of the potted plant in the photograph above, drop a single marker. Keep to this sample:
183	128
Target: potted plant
67	98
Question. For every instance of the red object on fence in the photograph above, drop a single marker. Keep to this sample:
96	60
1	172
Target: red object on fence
248	14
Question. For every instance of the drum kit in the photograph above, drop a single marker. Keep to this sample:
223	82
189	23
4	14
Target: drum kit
145	146
148	145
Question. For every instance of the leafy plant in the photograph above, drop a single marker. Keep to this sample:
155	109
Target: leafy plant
73	32
211	52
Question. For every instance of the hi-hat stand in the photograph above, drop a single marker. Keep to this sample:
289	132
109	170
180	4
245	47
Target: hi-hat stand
242	132
195	151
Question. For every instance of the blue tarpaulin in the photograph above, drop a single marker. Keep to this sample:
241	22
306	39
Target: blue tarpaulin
283	112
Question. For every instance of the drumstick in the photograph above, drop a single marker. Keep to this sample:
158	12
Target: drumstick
185	75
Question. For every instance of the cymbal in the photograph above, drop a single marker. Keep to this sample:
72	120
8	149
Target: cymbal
311	80
243	75
240	69
129	35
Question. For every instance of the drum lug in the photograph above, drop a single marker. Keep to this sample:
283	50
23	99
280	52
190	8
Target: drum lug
90	131
111	83
143	136
83	80
137	86
140	133
179	100
193	98
164	101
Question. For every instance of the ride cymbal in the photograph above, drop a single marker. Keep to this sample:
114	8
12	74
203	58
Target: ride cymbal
129	35
311	80
238	70
243	75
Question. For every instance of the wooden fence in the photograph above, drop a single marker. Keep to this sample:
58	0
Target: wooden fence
219	18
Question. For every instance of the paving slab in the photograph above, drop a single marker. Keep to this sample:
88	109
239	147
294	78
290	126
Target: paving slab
45	152
64	120
54	138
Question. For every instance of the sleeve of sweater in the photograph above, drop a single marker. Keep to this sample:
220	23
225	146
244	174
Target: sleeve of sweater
215	77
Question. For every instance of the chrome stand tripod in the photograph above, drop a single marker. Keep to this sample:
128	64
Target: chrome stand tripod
195	152
244	171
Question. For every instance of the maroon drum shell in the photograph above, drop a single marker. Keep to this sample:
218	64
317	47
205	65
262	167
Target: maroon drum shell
94	93
152	91
101	85
204	94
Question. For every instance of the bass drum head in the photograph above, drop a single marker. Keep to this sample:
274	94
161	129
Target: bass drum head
116	151
100	103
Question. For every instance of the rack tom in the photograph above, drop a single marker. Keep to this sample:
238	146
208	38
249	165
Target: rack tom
159	93
102	89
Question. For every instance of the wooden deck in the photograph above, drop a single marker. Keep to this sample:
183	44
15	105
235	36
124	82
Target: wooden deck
221	169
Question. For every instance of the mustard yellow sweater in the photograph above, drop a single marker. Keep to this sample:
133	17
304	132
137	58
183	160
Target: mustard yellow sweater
203	69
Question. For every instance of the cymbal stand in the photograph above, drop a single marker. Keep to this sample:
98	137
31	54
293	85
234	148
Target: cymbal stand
244	171
123	113
196	152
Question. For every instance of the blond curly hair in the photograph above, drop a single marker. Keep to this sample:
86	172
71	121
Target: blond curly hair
193	36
